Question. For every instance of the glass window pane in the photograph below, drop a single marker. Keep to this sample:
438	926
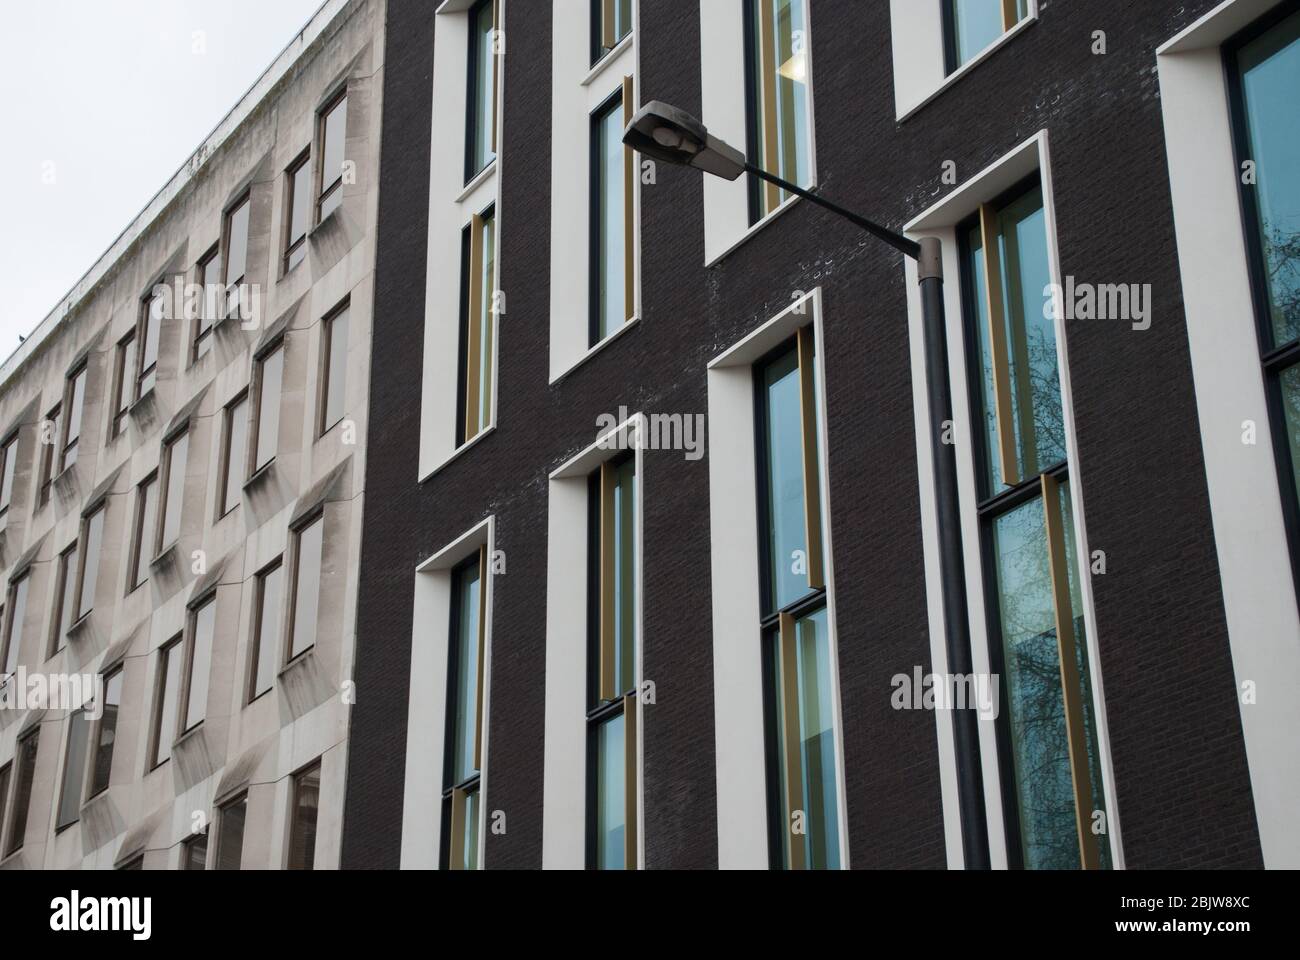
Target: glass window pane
783	466
236	454
107	735
611	786
26	776
781	65
165	734
149	348
127	360
7	481
195	856
469	841
609	241
625	579
91	552
336	370
74	769
465	678
307	592
4	794
300	215
196	706
270	626
17	614
333	152
1290	386
237	244
208	309
481	93
268	407
1270	76
479	405
306	803
230	834
176	466
147	525
67	597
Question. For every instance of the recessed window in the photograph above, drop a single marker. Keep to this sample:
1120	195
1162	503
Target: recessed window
167	697
135	863
480	134
209	305
230	833
611	699
49	438
461	807
611	21
803	794
333	125
306	806
25	763
65	597
1053	792
309	544
970	26
105	737
74	402
146	376
194	852
5	774
269	375
236	259
198	656
478	315
124	371
334	391
74	770
8	464
299	206
92	537
175	457
234	455
268	629
17	610
779	125
145	543
612	280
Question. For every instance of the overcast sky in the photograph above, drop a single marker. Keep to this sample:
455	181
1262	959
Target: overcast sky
107	98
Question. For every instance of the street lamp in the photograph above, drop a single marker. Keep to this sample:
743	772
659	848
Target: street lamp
663	132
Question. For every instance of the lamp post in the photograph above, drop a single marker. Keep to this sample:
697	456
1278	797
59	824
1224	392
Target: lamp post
673	136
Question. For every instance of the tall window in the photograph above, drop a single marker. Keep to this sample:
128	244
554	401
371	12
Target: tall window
74	770
151	316
230	833
194	852
74	403
236	259
166	702
611	667
1047	730
65	598
299	206
17	610
611	21
145	543
175	457
333	135
198	661
49	437
234	456
803	794
461	798
209	306
123	381
480	134
269	374
477	304
268	629
971	25
5	774
334	391
613	291
92	538
306	805
309	542
8	464
1264	70
25	777
105	736
779	131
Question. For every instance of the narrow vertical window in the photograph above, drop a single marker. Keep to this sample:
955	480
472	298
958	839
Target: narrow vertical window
209	306
146	376
166	702
17	610
8	464
123	380
308	549
1047	731
145	543
613	291
230	833
306	804
25	777
5	773
74	770
334	392
234	455
611	21
236	260
198	659
971	25
480	138
612	583
74	403
333	124
65	598
463	754
299	206
92	538
269	374
194	852
175	461
779	127
105	737
478	315
803	792
268	629
49	437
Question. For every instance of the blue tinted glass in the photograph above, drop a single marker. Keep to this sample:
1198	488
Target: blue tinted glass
977	23
610	792
465	689
610	240
784	520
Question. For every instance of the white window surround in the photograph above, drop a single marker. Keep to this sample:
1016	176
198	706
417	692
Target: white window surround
452	205
427	705
737	633
941	220
564	790
920	63
1259	595
724	112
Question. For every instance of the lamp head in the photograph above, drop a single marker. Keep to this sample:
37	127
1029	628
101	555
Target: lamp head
670	135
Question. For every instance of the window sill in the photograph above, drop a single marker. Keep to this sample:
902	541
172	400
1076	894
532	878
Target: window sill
969	65
592	351
476	181
190	734
259	475
603	64
757	227
166	555
296	662
78	629
459	451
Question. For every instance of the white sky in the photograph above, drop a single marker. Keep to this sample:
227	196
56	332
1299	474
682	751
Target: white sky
112	93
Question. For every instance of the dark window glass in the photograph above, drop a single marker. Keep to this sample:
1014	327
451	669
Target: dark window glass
464	698
306	803
270	374
25	760
66	598
209	307
9	456
106	734
974	24
123	379
334	124
175	459
477	339
230	834
74	769
611	780
306	586
608	240
611	21
299	212
203	621
150	331
236	265
146	527
136	863
480	149
235	457
268	629
4	796
195	854
72	424
167	701
336	369
93	537
17	614
777	64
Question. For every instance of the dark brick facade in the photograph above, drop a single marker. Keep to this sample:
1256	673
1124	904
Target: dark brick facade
1180	765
